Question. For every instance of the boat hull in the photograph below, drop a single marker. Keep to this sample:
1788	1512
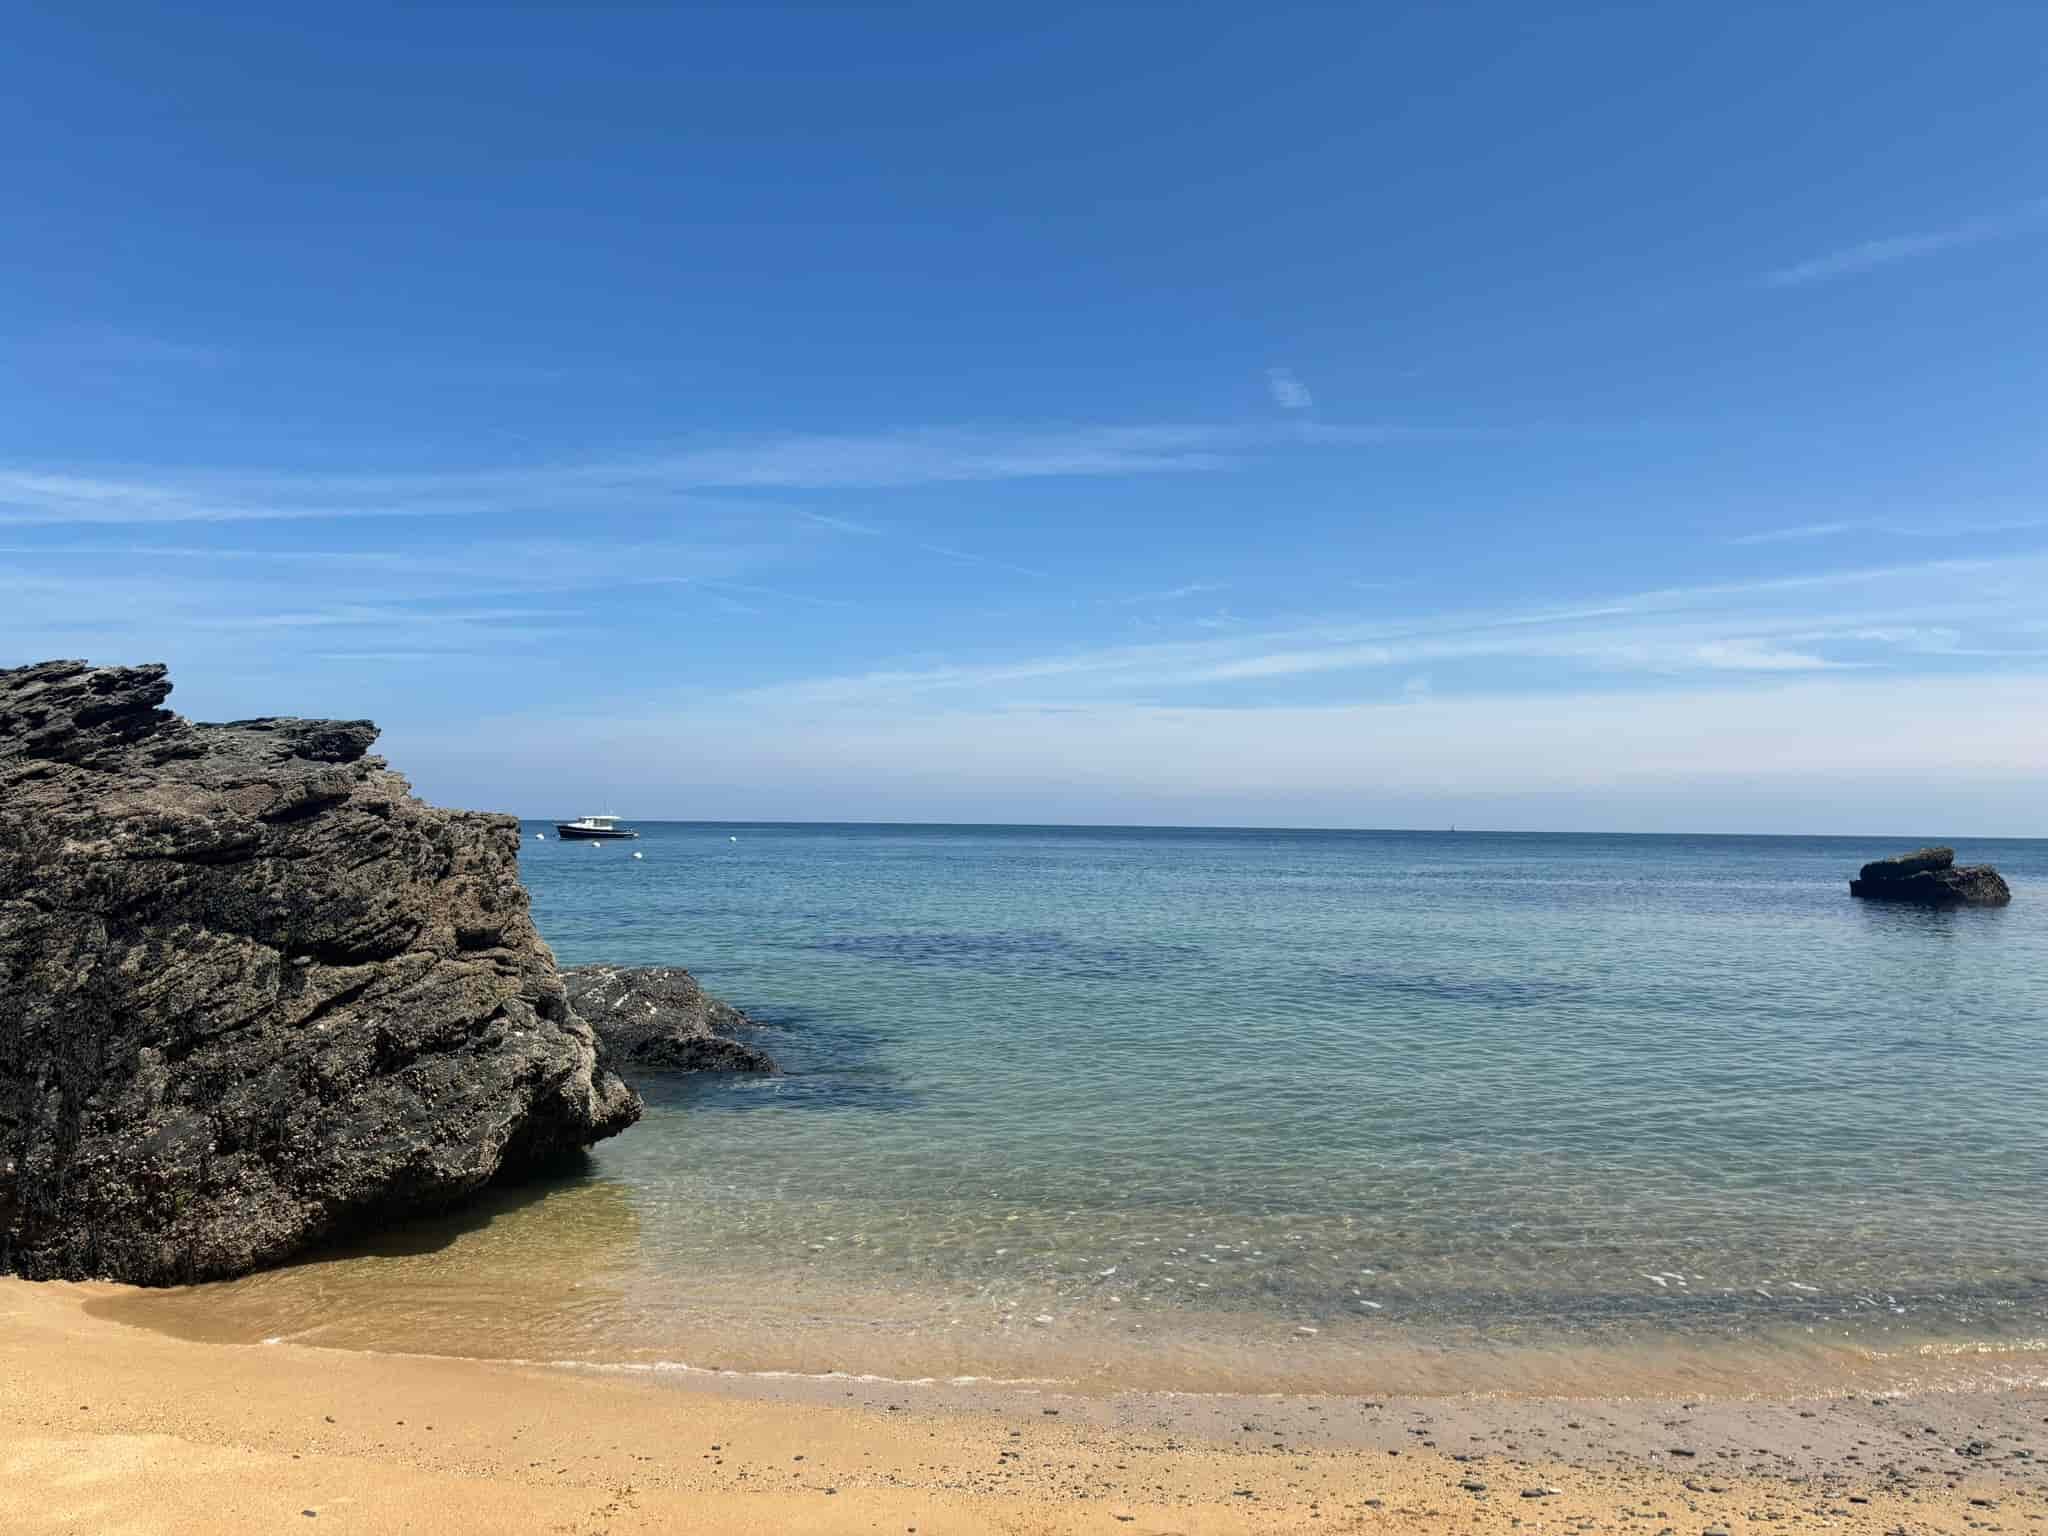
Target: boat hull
571	834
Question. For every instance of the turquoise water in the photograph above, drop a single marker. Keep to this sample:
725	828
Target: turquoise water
1145	1105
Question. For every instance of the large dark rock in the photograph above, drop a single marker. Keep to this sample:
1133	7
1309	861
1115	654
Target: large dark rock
1929	877
253	993
658	1019
1903	866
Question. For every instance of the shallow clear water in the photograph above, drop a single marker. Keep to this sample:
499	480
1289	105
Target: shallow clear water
1142	1105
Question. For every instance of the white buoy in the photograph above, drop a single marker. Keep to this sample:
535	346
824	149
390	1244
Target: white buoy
540	837
732	839
639	855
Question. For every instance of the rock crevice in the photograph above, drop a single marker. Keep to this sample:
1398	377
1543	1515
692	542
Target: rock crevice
253	993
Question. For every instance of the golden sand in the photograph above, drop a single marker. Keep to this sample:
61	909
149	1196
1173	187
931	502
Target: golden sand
107	1428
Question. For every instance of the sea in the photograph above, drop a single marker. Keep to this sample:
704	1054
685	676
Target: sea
1270	1111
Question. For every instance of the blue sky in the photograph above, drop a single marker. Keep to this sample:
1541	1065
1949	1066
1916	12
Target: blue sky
1629	417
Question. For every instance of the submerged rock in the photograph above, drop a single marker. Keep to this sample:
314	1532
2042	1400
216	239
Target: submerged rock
254	994
1929	877
658	1019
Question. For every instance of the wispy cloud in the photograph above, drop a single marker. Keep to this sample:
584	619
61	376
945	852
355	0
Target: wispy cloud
968	557
911	541
32	497
406	657
772	594
668	479
415	572
1169	595
671	482
1856	618
375	615
1927	529
943	456
845	525
1294	663
107	347
123	612
1288	392
204	602
1761	656
1869	255
1791	535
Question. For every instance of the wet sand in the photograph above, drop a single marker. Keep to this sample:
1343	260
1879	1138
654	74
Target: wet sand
563	1272
111	1428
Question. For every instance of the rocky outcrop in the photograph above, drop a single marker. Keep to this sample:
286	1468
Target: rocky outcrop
252	992
1929	877
657	1019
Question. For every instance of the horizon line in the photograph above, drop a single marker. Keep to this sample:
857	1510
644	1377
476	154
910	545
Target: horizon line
1149	826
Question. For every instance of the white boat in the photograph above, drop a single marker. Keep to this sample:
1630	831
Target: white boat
592	826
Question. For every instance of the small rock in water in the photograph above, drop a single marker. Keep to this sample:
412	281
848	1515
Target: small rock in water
658	1019
1930	877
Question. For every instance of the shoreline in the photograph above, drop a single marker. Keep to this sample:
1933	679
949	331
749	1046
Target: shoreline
1279	1362
509	1287
110	1427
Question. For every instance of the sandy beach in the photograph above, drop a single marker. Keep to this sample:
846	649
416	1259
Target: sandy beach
109	1428
919	769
